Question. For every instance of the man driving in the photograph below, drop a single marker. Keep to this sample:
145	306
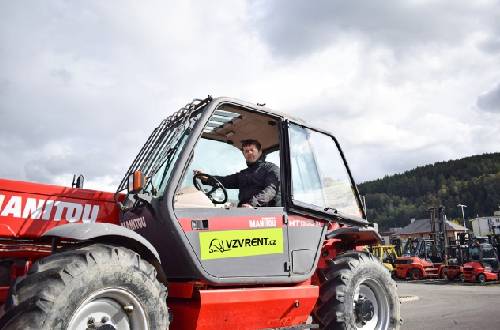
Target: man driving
258	184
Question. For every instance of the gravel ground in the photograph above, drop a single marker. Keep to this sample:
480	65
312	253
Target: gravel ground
444	305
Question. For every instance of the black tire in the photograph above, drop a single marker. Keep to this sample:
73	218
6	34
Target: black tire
444	275
415	274
481	278
66	287
343	284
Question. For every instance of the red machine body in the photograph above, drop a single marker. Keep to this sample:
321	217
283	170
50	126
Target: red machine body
195	307
27	210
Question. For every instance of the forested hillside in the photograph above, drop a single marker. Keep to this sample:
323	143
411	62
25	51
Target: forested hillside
473	181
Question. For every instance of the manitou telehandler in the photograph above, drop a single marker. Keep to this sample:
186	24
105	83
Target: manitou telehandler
81	259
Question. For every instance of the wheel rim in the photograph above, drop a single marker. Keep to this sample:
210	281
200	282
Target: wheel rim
110	308
481	278
371	306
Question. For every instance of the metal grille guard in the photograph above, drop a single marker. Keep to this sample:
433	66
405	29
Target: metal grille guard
164	141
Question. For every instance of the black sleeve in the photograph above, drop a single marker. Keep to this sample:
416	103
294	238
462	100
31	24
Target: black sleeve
229	181
271	186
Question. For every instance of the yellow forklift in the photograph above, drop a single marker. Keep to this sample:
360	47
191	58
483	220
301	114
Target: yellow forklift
387	254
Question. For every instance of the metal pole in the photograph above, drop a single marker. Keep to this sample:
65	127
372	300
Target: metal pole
461	206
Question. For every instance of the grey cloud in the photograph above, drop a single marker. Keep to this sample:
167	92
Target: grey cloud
4	85
62	74
490	101
491	45
295	28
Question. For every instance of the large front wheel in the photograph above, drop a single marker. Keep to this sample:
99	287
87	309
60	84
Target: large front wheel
94	287
357	292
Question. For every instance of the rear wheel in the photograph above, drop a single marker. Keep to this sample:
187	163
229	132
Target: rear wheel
94	287
357	292
415	274
481	278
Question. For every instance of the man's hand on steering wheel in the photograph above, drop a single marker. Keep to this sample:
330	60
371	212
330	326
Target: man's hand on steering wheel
200	179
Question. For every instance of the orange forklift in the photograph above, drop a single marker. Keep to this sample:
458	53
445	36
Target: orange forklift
425	258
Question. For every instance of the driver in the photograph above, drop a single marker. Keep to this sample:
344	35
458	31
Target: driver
258	184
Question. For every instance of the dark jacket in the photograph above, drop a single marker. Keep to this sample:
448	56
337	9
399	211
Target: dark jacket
259	184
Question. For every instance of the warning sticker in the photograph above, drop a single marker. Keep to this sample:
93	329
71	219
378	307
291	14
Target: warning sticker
240	243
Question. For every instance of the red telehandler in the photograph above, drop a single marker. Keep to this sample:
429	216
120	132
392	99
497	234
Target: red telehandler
73	258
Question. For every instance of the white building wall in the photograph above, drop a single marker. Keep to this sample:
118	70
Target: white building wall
486	225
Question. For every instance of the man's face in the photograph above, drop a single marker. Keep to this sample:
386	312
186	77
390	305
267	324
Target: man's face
251	153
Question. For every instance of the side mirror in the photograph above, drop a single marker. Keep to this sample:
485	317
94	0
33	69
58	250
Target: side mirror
135	182
77	182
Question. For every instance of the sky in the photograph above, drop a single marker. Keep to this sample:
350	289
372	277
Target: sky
400	83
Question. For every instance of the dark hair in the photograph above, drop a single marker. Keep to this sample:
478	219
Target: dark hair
249	142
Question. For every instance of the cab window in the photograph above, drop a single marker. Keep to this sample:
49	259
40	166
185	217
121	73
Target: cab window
218	153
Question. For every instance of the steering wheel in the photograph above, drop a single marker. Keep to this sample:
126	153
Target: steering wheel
214	184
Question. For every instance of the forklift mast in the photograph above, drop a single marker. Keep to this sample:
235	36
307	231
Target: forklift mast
438	234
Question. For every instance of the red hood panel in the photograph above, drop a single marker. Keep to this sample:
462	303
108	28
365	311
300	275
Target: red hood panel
27	209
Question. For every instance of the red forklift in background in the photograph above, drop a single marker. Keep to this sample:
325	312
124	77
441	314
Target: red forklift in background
483	265
419	261
458	255
425	258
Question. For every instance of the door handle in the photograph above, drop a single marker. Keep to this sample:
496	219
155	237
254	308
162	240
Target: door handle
199	224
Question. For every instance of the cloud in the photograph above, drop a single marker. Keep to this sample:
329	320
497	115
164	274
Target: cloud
82	84
297	28
491	44
490	100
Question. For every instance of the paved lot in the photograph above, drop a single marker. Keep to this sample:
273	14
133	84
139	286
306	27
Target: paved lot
443	305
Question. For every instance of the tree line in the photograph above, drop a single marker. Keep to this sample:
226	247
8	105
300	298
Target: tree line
474	181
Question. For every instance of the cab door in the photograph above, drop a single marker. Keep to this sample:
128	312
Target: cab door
230	241
319	187
238	242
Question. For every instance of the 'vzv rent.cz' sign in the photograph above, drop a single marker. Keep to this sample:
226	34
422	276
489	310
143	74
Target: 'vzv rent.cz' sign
240	243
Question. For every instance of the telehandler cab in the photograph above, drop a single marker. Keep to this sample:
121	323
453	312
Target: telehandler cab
82	259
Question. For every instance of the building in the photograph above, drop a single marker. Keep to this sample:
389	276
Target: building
483	226
422	229
389	235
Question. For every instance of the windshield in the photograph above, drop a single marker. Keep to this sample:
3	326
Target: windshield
474	253
410	248
319	176
157	156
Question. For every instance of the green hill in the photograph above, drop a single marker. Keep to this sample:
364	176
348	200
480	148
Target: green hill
473	181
